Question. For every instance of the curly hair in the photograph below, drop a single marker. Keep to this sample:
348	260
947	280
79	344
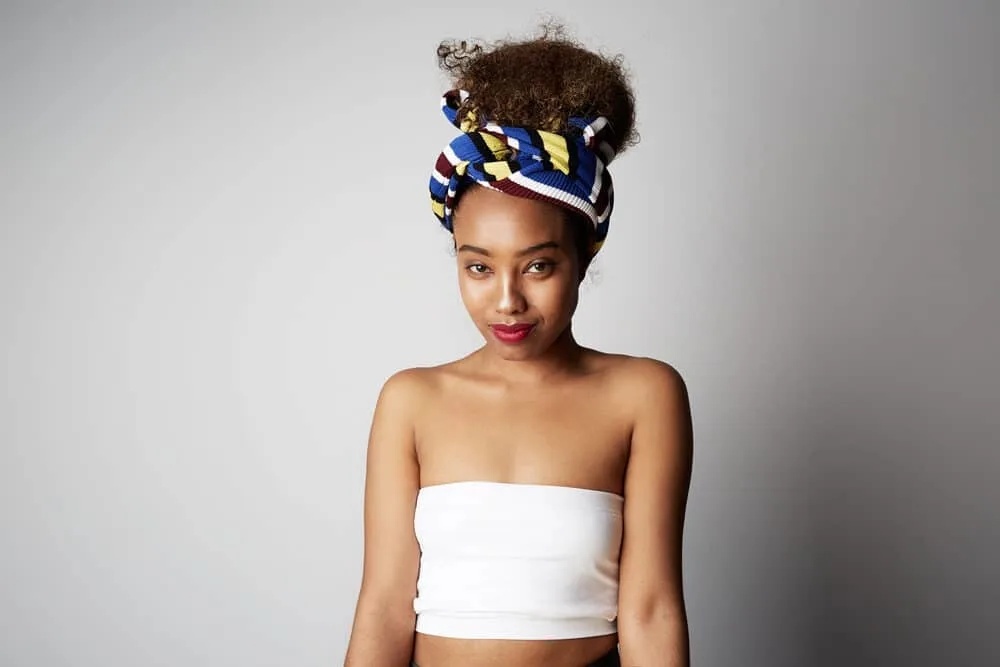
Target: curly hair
541	82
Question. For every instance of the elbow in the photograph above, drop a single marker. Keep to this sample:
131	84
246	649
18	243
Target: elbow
654	633
393	609
382	633
654	609
661	620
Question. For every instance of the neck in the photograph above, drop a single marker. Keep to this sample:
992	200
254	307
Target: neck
561	359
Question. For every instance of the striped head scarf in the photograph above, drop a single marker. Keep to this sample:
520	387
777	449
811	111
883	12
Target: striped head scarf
568	169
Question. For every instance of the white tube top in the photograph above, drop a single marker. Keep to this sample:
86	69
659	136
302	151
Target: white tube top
517	561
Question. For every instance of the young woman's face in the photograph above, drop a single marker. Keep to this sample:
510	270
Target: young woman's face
517	270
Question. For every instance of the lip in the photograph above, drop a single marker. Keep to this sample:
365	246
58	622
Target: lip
511	333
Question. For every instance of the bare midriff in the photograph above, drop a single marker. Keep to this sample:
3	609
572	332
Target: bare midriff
433	651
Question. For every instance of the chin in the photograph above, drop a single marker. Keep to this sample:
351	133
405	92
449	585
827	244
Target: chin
523	351
515	352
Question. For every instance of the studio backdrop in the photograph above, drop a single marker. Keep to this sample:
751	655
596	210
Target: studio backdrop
216	245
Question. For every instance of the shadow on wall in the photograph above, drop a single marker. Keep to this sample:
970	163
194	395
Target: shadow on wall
898	515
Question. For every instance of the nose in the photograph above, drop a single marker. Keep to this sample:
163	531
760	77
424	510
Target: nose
511	299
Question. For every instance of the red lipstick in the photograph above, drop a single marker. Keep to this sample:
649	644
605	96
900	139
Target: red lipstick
511	333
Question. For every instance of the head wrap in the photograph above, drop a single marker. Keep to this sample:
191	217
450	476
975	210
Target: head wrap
568	169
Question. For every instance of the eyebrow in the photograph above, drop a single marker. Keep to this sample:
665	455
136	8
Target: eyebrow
520	253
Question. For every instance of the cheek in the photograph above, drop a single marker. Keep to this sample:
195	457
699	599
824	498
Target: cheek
554	297
474	292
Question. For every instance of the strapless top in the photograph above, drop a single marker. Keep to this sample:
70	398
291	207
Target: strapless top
517	561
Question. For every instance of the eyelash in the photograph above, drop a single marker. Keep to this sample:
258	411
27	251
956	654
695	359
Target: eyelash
547	266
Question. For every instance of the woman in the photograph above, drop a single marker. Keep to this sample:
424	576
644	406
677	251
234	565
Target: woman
524	505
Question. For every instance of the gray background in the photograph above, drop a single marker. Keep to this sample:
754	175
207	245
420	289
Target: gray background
216	244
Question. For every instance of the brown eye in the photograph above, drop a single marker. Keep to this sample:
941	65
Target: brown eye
540	267
477	269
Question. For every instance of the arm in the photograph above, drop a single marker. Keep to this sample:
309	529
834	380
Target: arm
382	634
652	620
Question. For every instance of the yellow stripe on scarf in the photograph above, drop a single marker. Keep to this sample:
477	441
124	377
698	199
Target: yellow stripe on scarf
555	146
500	170
470	122
497	146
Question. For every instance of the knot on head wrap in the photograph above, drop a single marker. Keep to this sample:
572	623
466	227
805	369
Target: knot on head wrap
567	169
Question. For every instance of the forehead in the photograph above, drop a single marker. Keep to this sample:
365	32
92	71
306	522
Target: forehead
495	220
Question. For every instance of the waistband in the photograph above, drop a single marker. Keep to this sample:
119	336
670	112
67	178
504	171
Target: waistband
609	659
512	627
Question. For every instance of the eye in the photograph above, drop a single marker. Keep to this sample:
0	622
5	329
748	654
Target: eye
540	267
477	269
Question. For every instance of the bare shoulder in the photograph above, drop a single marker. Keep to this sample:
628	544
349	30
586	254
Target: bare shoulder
432	380
648	393
407	389
645	376
643	379
408	393
406	384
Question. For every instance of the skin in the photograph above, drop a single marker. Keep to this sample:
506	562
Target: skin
544	411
